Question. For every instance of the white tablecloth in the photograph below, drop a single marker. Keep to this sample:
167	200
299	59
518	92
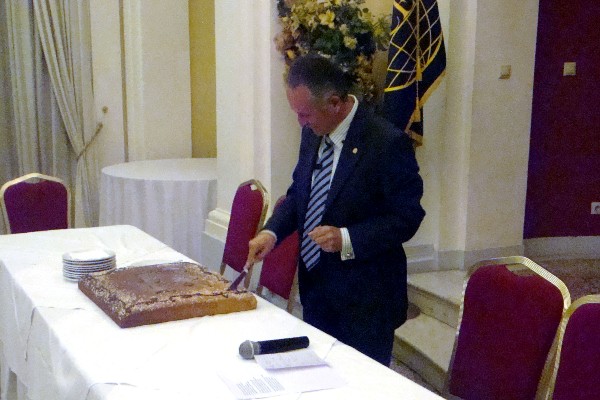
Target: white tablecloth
169	199
60	345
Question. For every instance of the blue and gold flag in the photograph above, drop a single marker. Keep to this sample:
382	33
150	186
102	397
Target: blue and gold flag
416	63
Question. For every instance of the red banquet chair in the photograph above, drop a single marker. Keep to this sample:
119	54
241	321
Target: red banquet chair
278	273
576	370
508	321
248	212
35	202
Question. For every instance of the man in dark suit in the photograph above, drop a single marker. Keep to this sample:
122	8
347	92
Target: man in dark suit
353	283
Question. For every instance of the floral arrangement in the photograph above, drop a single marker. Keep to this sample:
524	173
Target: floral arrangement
338	29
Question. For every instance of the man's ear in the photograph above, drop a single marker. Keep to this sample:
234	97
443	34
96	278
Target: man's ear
334	102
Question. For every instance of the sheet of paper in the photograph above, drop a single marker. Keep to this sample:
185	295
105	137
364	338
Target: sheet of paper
250	381
289	359
308	379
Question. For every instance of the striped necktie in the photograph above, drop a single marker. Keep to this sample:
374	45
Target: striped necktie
309	250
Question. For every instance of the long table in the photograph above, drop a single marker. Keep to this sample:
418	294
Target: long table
56	344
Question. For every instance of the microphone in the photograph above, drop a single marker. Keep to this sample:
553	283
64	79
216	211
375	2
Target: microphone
249	349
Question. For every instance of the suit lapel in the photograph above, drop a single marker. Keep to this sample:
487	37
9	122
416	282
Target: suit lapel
351	153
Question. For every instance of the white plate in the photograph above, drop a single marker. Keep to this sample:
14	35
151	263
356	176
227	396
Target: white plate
89	266
88	256
87	271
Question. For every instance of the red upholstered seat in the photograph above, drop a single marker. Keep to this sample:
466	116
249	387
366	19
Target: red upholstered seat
576	373
35	202
248	212
279	267
508	324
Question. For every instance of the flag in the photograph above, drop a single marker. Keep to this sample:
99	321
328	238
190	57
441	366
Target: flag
416	63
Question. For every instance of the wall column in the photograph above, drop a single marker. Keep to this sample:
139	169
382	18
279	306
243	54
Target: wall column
156	47
243	107
486	144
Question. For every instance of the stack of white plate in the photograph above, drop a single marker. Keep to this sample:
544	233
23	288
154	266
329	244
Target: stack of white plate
77	264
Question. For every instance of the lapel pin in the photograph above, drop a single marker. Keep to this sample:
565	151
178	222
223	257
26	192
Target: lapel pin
354	150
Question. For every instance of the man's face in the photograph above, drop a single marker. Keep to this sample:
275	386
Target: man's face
320	116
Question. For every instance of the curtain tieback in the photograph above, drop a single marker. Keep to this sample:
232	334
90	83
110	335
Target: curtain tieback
99	127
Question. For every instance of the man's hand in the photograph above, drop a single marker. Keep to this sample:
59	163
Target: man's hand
259	247
329	238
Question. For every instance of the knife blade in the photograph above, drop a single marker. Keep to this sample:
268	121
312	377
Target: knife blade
239	278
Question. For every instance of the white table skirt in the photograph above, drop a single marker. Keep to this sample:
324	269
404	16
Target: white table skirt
60	345
169	199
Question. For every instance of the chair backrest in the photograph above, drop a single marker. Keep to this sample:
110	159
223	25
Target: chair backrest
35	202
279	267
248	212
509	316
576	369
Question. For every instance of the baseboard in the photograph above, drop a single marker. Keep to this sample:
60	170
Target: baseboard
563	247
420	258
463	259
216	224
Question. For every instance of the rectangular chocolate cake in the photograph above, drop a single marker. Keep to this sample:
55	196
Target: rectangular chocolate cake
166	292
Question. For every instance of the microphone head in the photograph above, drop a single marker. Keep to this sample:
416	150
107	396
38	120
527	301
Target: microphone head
248	349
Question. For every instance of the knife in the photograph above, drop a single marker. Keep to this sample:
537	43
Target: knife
240	277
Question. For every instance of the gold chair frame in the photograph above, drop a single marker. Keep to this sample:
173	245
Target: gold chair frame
27	177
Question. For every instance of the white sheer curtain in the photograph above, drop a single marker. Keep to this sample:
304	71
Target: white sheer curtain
7	156
64	27
32	135
8	160
48	122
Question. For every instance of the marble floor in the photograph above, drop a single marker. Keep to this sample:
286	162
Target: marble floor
582	276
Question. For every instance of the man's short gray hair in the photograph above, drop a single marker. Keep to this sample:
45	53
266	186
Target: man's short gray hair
321	76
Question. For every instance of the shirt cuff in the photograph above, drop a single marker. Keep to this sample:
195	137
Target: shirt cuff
347	252
270	233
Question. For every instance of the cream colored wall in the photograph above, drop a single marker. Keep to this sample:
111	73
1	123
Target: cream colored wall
157	67
474	157
451	157
140	51
203	76
486	139
501	118
108	80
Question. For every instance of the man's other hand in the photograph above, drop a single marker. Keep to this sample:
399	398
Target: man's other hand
329	238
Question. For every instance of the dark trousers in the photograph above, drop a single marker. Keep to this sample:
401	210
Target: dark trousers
366	333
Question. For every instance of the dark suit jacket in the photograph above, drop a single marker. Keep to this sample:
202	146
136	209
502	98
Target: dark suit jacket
375	193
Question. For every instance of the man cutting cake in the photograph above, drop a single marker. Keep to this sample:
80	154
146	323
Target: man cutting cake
354	199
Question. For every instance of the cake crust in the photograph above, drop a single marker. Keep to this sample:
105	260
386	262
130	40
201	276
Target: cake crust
152	294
